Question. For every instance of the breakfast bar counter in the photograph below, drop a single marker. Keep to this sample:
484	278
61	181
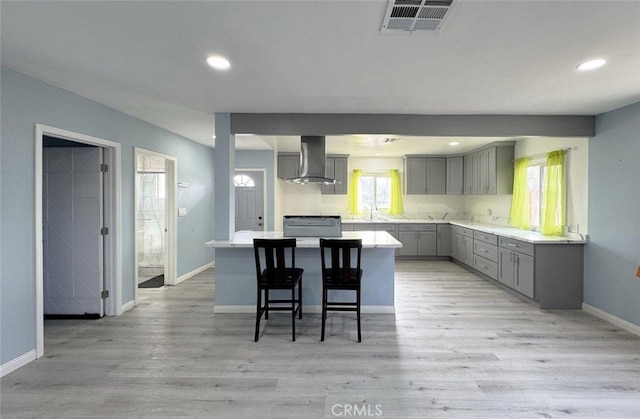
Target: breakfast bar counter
235	288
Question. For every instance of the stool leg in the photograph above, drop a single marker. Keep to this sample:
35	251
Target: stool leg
358	303
258	313
324	313
293	314
300	298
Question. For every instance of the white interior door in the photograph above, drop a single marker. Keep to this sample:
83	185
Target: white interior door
249	190
72	222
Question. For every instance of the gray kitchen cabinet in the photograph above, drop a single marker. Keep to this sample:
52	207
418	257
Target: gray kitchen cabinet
443	241
455	175
516	265
417	239
288	165
336	168
516	270
485	252
425	175
463	245
470	171
489	171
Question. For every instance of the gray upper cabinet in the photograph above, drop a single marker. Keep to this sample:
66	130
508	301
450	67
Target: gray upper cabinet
455	175
336	168
425	175
470	172
489	171
288	165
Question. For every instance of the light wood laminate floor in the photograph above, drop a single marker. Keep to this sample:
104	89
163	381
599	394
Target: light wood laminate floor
457	347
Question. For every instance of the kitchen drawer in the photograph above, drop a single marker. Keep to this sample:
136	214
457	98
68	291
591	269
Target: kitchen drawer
486	266
417	227
385	227
485	250
463	231
486	237
517	245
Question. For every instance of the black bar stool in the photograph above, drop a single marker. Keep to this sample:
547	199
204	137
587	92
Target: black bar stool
277	276
341	275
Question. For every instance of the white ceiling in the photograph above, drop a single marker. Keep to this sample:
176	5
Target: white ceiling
147	59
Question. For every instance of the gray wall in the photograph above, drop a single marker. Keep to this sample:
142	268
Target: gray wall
26	101
613	252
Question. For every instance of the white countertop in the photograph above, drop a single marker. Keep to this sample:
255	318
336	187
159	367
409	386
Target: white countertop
505	231
370	239
514	233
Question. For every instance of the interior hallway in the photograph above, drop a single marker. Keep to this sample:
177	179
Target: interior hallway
458	347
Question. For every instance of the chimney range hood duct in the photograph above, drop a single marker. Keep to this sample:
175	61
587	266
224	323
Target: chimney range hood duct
312	162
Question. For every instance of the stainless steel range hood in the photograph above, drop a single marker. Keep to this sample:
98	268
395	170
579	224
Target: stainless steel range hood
312	162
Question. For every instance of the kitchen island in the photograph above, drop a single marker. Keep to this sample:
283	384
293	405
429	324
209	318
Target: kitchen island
235	272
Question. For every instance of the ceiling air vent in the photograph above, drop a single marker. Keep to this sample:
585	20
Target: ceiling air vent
415	15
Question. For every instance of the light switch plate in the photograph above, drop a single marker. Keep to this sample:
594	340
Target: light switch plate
182	212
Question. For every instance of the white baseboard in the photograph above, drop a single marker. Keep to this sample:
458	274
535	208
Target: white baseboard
194	272
306	309
18	362
127	306
621	323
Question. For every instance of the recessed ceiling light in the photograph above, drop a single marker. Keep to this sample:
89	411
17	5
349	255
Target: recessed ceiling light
590	65
218	62
454	143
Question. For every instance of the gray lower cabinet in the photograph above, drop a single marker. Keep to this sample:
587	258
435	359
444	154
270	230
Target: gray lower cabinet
550	273
517	271
417	239
443	241
462	243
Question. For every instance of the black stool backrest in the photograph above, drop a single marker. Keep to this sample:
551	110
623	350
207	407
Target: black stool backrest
341	258
274	257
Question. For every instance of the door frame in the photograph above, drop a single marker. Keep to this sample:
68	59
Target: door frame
171	216
112	218
265	216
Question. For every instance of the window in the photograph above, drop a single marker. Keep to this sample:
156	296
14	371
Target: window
374	191
535	184
243	181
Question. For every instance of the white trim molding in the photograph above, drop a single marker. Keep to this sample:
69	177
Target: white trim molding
113	205
193	273
17	362
615	320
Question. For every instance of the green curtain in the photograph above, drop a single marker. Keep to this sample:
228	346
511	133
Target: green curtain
396	193
552	222
519	215
353	191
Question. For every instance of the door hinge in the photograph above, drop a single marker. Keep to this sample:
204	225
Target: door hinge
104	294
104	231
104	167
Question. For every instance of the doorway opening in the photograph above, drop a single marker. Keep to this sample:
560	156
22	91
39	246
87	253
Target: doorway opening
150	215
93	285
155	219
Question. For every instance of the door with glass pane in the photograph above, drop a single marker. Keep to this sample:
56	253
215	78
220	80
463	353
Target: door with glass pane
249	200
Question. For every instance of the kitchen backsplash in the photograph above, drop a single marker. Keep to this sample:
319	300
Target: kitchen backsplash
307	200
